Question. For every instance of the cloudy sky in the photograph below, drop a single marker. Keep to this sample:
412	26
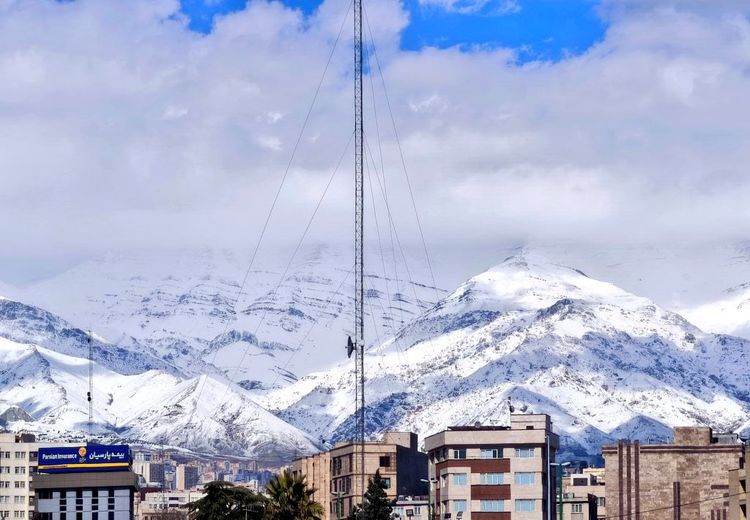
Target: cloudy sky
154	123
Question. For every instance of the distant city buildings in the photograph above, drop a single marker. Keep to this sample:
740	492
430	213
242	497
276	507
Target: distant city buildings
494	472
685	480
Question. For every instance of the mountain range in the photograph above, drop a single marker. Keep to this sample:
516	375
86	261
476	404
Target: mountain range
186	354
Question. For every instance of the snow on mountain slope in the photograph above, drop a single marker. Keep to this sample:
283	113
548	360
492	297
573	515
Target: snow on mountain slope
728	314
28	324
603	362
153	406
180	305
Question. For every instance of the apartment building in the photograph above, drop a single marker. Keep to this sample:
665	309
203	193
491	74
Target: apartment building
18	462
583	485
337	475
579	507
411	508
492	472
154	505
685	480
187	476
738	490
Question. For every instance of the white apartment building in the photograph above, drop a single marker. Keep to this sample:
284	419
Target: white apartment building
493	472
18	461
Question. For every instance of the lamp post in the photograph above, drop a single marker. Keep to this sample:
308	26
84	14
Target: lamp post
429	495
558	478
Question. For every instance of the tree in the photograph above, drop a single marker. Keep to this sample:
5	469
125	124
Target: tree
225	501
377	504
289	498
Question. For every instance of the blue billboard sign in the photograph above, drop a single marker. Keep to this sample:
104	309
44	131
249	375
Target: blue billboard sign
92	457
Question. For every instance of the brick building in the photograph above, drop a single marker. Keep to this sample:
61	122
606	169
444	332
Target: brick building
494	472
337	477
738	491
685	480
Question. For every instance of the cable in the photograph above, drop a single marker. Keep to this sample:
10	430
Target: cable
401	153
682	504
289	263
276	198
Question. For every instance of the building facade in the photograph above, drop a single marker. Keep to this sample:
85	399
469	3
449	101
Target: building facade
18	463
581	485
158	505
187	476
337	477
685	480
579	507
738	490
494	472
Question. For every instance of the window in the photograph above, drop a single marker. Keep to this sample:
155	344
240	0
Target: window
5	469
525	453
459	506
523	478
577	508
19	484
387	483
492	506
601	502
491	453
19	470
20	454
18	499
524	506
459	453
385	461
459	479
491	478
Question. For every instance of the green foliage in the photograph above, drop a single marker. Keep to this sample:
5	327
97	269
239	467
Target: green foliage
225	501
377	504
289	498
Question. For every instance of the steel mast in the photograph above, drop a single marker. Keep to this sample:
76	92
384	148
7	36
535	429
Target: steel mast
359	312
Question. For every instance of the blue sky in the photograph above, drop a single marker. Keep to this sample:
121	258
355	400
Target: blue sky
540	29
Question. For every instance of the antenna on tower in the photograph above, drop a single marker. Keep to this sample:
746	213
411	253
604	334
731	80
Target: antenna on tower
90	393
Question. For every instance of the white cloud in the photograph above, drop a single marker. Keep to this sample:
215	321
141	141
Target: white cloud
120	128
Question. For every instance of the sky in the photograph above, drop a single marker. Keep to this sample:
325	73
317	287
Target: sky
158	123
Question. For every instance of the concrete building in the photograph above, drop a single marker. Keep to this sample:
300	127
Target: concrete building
187	476
494	472
336	474
85	482
738	491
86	496
579	507
158	505
582	485
18	462
685	480
411	508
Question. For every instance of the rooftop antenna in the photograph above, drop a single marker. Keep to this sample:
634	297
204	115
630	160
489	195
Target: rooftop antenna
90	393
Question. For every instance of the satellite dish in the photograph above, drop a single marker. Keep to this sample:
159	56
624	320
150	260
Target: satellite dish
477	424
349	347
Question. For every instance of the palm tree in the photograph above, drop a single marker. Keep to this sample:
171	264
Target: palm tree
289	498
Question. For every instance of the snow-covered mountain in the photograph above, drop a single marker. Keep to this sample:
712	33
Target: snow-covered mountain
730	313
44	391
603	362
285	323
